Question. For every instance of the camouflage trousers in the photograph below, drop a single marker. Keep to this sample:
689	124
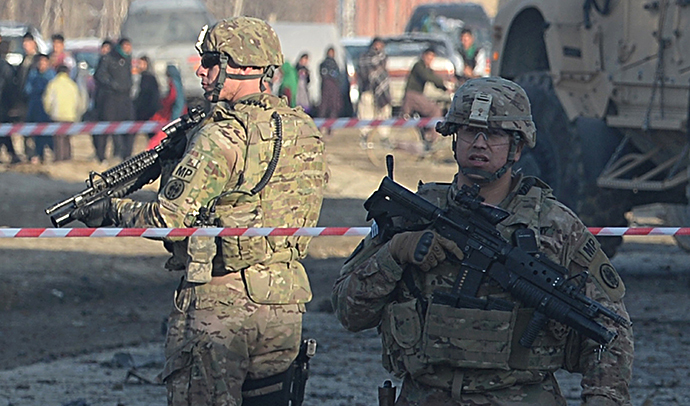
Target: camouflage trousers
217	337
546	393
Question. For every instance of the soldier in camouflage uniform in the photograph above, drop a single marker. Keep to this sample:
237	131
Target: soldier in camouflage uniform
458	356
253	162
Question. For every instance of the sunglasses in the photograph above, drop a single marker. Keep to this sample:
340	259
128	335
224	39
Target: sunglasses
210	59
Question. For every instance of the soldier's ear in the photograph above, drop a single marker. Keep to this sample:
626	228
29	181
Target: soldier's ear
518	150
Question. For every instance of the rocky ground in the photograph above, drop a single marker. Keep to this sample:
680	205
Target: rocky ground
81	319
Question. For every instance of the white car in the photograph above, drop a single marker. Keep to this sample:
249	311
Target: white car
13	32
166	31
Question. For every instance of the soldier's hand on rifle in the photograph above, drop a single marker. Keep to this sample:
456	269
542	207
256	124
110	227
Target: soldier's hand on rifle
425	249
96	214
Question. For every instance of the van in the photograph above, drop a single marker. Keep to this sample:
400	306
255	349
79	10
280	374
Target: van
166	31
450	19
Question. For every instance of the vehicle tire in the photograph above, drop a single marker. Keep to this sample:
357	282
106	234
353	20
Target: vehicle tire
678	215
404	144
561	161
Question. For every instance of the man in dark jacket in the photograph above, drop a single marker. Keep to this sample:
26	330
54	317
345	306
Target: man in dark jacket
114	80
147	102
8	95
414	100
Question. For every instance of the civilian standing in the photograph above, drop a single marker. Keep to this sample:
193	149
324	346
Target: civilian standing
172	105
147	101
30	50
114	81
60	57
36	83
288	85
7	97
331	98
100	141
303	78
374	85
63	102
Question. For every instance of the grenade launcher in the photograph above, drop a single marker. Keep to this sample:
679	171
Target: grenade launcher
527	274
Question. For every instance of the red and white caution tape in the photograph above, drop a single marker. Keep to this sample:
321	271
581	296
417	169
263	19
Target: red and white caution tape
181	232
134	127
274	232
336	123
102	127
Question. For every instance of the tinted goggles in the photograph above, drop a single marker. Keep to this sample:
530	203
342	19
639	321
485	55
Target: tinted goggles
210	59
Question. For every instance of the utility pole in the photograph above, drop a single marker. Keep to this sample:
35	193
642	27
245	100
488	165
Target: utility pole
348	14
239	4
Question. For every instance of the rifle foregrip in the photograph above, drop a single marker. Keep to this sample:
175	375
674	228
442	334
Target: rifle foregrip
536	324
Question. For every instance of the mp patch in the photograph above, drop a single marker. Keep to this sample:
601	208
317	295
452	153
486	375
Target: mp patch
173	189
609	276
184	173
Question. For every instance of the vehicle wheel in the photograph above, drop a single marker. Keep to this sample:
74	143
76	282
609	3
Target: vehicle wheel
678	215
605	207
561	162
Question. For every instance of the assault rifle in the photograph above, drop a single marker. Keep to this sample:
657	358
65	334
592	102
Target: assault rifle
528	275
130	175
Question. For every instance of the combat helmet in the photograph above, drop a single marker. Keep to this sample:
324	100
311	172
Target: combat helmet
246	41
491	103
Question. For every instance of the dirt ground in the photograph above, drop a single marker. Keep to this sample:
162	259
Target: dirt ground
76	314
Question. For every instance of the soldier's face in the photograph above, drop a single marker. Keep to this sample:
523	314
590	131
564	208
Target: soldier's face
209	78
483	149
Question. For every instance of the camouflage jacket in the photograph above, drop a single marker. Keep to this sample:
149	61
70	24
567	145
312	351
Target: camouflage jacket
371	285
226	157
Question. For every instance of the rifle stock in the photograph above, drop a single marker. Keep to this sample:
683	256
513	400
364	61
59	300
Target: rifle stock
531	278
130	175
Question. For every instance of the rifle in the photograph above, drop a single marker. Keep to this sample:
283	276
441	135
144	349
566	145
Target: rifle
130	175
522	270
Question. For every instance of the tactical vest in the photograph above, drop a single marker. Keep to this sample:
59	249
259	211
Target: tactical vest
292	197
418	334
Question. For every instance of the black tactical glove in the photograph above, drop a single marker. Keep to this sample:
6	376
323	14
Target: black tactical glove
425	249
96	214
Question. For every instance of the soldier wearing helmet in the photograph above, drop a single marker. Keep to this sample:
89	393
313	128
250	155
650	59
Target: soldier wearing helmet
235	329
461	353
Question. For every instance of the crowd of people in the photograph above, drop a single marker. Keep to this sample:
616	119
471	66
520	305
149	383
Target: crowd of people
52	88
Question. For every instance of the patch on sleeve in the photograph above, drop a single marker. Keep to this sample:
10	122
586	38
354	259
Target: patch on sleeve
173	189
184	172
586	249
606	277
609	276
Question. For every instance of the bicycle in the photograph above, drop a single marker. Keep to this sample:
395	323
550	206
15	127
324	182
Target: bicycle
404	143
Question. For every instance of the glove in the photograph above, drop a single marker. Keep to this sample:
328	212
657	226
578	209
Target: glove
425	249
599	401
96	214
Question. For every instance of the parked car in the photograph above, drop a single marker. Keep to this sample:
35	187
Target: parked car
450	19
166	31
354	48
86	52
405	50
13	33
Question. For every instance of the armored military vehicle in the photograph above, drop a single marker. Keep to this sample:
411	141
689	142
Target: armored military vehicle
609	85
